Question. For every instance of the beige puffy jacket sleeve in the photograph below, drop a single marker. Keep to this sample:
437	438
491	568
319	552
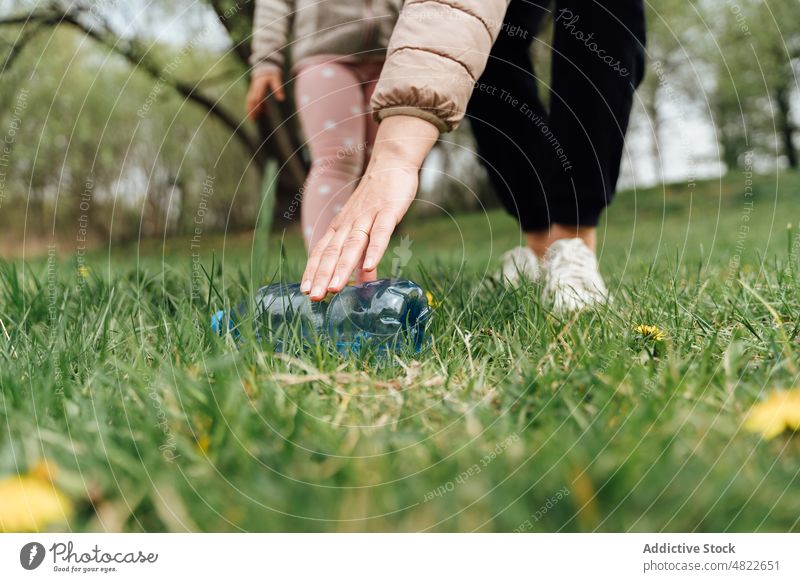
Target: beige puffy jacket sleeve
272	22
437	52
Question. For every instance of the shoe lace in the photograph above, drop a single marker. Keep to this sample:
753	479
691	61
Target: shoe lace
575	267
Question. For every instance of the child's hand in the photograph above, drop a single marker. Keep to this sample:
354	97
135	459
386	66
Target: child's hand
260	87
360	233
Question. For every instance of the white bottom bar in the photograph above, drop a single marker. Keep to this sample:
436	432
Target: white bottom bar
401	557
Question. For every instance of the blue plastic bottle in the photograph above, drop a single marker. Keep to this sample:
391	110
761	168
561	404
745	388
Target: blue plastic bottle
383	315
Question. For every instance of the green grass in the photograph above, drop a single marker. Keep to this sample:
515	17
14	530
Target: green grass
515	419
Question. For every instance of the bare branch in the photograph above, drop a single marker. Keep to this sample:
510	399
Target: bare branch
18	45
223	10
94	26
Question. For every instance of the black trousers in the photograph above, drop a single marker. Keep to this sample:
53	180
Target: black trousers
559	166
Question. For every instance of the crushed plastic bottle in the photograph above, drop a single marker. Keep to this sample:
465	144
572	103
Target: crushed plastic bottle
383	315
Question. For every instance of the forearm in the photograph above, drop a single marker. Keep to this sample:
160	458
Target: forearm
403	142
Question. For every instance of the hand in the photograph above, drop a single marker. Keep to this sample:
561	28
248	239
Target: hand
359	234
361	231
260	87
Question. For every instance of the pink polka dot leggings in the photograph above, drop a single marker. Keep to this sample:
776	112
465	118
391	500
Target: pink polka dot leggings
333	102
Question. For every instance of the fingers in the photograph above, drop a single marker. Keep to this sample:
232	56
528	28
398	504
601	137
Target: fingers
260	88
253	102
325	265
256	99
366	276
352	254
255	105
276	86
314	258
380	235
340	257
359	244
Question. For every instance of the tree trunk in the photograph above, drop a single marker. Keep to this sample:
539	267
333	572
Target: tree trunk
278	144
786	128
655	144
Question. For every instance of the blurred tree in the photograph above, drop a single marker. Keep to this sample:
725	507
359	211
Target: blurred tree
105	23
455	180
84	154
777	30
674	34
754	69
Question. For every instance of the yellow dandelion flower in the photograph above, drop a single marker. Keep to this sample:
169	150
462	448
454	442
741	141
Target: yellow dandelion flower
31	502
431	301
44	470
778	413
585	500
203	442
83	271
651	332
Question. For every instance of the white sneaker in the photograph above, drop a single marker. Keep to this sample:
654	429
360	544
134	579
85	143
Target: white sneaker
573	279
518	264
